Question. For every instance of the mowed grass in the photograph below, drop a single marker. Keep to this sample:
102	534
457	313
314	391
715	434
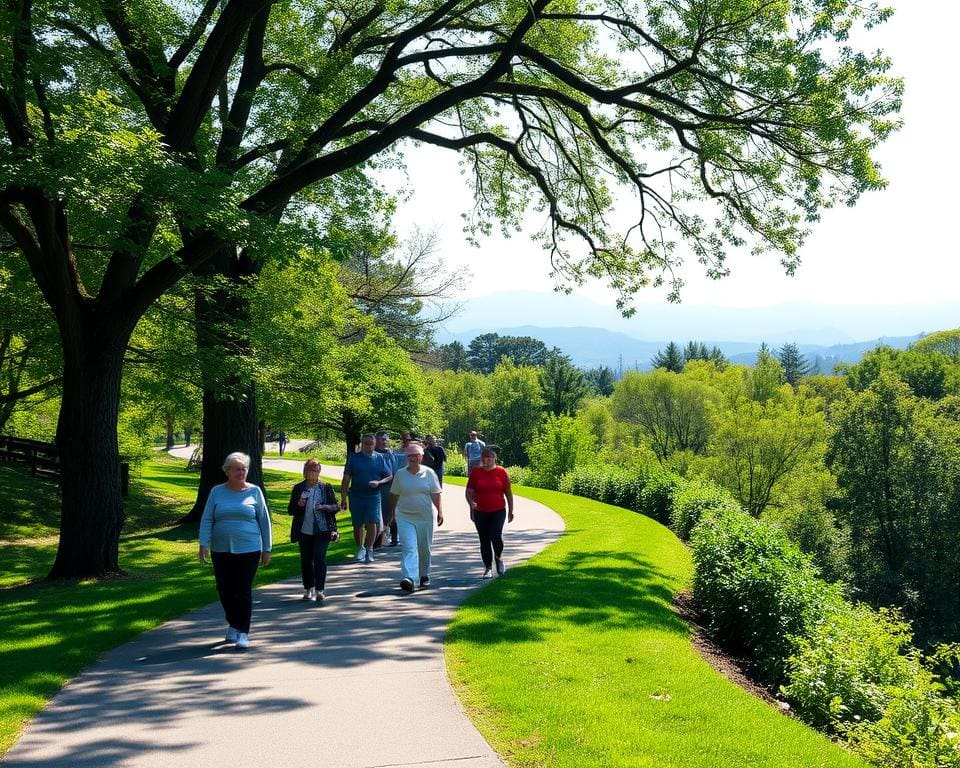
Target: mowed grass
576	658
50	631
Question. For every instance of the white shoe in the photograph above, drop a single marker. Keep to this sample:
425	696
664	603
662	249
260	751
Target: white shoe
231	635
320	596
307	594
313	596
361	554
242	640
500	566
370	556
487	574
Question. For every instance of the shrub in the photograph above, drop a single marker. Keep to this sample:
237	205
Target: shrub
656	496
559	445
919	729
844	666
609	484
456	465
521	476
758	590
693	500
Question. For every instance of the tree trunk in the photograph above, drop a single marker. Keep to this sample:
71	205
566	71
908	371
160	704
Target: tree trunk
230	420
92	507
169	421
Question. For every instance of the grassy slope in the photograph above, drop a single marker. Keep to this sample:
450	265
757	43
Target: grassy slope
49	631
576	659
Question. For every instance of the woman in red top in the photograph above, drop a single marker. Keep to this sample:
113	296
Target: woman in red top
487	487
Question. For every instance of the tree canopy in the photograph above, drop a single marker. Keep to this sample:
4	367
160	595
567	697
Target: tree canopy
142	141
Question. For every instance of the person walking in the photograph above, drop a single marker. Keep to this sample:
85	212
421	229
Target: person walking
434	456
363	475
487	488
235	532
282	442
414	494
471	451
314	507
382	446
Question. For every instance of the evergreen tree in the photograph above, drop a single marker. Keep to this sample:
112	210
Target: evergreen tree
670	359
601	379
795	365
564	385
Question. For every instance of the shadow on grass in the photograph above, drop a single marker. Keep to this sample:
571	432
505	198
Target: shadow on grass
604	589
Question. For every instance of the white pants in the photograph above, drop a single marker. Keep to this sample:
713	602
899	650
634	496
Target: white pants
416	536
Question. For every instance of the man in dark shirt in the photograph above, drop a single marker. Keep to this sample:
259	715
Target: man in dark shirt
434	456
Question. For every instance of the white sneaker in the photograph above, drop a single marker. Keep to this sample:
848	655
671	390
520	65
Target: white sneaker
242	640
487	574
500	567
361	554
370	556
320	596
231	635
307	594
313	596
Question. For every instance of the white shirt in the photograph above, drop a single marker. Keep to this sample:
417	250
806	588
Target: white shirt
415	493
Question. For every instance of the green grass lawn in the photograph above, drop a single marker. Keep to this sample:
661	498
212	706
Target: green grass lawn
577	659
49	631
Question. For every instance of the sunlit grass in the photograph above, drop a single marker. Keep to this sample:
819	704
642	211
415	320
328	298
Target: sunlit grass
576	658
50	631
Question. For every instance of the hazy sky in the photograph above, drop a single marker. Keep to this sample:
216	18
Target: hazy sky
895	246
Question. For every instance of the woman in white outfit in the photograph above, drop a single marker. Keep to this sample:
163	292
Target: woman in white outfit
413	495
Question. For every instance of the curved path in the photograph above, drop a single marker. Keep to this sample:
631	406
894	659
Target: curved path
355	682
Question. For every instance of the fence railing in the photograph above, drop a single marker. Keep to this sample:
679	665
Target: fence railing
44	458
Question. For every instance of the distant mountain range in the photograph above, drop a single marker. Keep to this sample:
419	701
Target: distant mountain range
592	347
593	334
799	322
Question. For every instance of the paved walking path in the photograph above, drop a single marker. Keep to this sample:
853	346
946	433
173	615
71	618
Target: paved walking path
355	682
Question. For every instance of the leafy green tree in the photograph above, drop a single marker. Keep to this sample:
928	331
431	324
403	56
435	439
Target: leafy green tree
564	385
145	142
595	415
560	444
695	350
795	365
757	447
601	380
516	410
945	342
671	410
452	356
898	468
765	380
464	399
669	359
927	373
483	353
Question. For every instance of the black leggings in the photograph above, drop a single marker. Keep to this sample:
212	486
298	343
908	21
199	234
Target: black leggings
313	559
234	572
490	530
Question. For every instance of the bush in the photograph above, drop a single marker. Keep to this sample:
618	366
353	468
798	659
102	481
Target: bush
919	729
521	476
456	465
611	485
693	500
758	590
844	666
559	445
656	497
326	451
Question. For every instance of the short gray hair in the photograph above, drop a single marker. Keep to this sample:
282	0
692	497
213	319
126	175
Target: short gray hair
236	458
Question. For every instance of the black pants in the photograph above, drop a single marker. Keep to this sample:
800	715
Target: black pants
490	530
234	572
313	559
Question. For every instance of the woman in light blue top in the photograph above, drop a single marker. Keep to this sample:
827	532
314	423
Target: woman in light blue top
235	530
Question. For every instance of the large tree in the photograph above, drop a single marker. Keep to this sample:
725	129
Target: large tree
143	140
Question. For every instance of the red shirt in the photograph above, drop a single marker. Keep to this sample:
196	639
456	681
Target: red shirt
488	486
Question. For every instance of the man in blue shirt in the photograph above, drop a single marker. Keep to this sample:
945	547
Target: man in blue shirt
363	475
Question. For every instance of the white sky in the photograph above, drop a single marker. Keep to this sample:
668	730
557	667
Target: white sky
895	246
